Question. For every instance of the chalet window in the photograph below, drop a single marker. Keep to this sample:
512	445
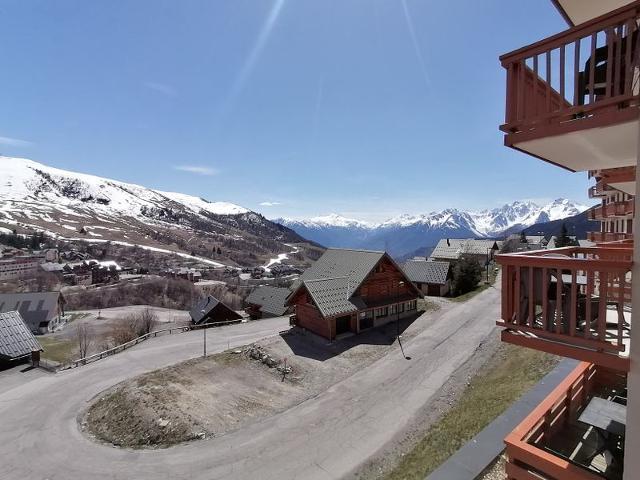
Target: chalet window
401	307
379	269
382	312
412	305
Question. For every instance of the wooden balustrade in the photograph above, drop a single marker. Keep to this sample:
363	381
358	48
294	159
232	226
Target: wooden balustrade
525	445
622	208
583	72
562	301
606	237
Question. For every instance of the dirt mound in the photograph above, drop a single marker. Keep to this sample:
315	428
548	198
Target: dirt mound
196	399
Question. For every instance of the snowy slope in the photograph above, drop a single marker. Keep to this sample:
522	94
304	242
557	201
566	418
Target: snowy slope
34	196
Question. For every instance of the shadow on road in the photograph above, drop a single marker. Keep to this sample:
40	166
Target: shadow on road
315	347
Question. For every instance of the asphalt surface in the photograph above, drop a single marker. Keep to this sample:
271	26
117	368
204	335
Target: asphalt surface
325	437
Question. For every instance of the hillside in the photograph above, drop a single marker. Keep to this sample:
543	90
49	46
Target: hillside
68	205
577	225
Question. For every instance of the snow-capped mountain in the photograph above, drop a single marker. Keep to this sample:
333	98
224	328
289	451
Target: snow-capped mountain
406	233
66	204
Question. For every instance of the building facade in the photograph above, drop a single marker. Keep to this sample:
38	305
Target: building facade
17	268
349	291
572	100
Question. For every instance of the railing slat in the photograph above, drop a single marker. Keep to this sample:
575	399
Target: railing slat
562	79
558	319
530	317
574	304
592	67
576	72
545	298
610	36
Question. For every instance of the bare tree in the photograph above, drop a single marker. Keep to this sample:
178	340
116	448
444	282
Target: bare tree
146	321
84	340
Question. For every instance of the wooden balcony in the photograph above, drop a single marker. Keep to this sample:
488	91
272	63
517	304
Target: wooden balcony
552	444
605	237
572	98
618	210
574	302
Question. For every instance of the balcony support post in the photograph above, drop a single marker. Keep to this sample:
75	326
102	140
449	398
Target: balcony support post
632	439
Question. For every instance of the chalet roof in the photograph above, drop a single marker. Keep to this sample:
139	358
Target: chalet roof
334	278
554	239
331	295
16	340
36	308
355	265
452	248
206	306
427	272
270	299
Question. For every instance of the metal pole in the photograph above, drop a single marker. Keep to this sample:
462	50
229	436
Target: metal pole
204	329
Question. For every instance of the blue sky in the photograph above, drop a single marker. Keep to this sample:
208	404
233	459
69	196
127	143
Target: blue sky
368	108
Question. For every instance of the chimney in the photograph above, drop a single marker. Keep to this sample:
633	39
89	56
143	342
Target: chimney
448	243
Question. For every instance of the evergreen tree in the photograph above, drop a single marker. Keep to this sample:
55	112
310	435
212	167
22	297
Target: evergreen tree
563	240
523	237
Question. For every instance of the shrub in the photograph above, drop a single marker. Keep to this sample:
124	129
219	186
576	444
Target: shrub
467	273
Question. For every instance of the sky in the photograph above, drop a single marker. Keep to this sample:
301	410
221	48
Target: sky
293	108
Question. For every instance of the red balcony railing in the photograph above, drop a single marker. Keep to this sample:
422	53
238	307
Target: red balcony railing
601	189
532	447
573	302
605	237
580	78
613	209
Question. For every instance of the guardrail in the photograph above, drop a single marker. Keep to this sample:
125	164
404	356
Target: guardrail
119	348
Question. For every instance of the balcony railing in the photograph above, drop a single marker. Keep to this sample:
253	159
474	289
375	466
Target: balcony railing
601	189
604	237
573	302
551	444
613	209
584	74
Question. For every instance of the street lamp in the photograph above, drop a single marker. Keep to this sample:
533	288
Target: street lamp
400	284
204	330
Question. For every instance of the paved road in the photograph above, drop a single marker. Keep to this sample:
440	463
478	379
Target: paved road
325	437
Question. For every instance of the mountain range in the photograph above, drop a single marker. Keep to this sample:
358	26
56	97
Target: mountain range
404	234
76	206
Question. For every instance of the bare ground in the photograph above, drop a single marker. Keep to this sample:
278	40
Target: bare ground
162	408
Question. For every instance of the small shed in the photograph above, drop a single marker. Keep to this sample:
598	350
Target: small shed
267	301
16	340
212	310
431	278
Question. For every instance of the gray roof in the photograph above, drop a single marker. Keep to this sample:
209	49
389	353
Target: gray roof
337	262
36	308
427	272
333	279
16	340
331	295
271	299
206	306
554	239
452	248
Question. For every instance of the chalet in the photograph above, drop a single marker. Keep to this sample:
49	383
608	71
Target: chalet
266	302
431	278
451	249
43	312
212	310
351	291
16	340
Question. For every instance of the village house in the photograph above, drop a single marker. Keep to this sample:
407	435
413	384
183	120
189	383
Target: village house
212	310
266	301
348	291
432	278
16	340
43	312
451	249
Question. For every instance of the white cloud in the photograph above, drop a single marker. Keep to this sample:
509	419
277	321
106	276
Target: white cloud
14	142
161	88
196	169
270	204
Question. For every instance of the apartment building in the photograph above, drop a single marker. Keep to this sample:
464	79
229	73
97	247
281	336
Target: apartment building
616	211
18	267
572	100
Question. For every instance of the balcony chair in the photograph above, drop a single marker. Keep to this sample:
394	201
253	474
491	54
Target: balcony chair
600	69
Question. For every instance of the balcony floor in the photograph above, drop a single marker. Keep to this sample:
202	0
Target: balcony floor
577	443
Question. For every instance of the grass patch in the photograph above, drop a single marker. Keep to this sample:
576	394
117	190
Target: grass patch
506	376
56	349
466	296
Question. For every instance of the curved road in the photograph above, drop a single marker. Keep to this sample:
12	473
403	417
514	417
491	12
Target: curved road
324	437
